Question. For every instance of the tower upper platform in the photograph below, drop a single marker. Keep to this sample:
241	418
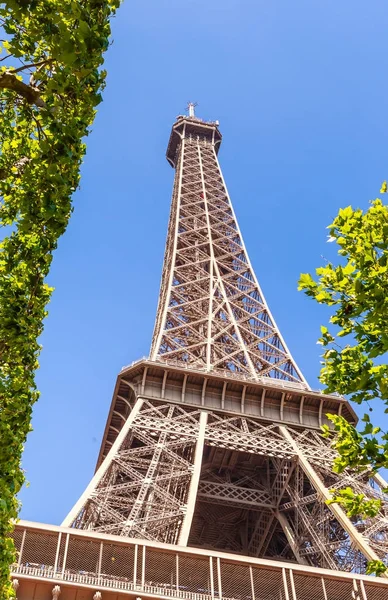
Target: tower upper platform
191	127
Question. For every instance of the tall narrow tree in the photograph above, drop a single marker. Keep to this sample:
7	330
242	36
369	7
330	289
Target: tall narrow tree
50	83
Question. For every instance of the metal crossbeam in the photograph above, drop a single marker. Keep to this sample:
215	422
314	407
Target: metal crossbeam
234	495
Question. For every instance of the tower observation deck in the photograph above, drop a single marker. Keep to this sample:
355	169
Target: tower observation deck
212	450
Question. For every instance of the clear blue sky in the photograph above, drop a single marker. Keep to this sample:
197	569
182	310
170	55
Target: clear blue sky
300	90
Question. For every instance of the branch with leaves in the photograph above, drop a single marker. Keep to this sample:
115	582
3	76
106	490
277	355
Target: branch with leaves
357	291
50	84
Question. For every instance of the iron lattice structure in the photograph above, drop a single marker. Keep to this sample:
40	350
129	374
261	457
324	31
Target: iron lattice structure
214	442
212	313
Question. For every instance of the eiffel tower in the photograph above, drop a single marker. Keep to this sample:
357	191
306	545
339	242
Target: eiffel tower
214	442
212	447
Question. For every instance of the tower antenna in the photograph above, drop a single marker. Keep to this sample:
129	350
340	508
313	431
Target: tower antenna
191	108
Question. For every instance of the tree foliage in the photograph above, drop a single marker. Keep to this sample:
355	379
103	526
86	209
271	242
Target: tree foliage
50	84
356	346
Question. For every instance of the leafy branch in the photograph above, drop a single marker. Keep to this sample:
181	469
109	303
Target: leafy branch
357	291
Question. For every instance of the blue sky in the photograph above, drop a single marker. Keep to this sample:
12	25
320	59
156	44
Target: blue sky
300	90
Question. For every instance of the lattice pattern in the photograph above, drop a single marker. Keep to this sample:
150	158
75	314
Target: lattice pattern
375	592
212	313
320	537
315	447
235	580
303	587
268	584
235	495
252	495
143	493
83	556
166	572
374	529
240	433
341	589
262	533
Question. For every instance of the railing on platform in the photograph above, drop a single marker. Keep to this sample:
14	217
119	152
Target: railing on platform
76	557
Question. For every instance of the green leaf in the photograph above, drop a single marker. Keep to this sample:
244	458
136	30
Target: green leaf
376	567
306	281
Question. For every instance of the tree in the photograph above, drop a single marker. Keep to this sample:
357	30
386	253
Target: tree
50	84
355	355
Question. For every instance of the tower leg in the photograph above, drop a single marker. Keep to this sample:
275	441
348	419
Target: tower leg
358	540
77	508
193	488
147	485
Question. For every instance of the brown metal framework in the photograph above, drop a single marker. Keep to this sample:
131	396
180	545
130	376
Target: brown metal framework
212	313
214	442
